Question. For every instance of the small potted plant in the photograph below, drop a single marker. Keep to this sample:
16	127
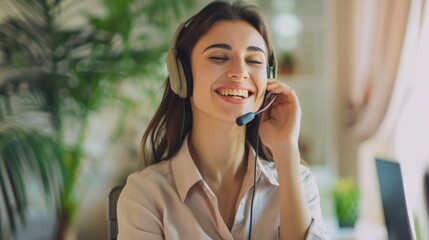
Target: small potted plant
346	199
287	63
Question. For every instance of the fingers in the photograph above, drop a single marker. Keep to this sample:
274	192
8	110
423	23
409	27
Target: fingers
286	94
286	101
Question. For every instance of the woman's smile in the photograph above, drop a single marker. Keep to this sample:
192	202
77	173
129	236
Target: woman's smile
234	93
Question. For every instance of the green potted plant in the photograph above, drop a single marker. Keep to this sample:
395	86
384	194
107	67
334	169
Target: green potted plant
51	76
346	200
287	63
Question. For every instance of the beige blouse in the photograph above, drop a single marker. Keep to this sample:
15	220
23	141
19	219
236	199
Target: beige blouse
170	200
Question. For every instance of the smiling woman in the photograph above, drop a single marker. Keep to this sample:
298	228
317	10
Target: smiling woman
207	169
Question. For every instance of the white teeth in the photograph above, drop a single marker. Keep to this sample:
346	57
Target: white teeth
236	93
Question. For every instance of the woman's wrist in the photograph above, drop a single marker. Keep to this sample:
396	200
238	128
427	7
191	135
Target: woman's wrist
286	155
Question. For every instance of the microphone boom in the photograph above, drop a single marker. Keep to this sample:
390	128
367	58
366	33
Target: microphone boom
248	117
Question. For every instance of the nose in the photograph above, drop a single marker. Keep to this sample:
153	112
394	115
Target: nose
238	69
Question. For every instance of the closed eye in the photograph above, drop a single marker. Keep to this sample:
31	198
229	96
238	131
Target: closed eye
218	59
255	62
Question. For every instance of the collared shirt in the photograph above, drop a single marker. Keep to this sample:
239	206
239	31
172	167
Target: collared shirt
170	200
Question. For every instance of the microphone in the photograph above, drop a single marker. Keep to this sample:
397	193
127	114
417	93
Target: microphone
246	118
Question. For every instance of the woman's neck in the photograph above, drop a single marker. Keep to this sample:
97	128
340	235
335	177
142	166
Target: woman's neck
219	152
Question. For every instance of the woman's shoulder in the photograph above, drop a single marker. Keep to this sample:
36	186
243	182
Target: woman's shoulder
144	192
149	179
154	171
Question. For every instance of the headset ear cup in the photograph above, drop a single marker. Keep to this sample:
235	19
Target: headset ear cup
182	79
179	69
185	73
180	75
173	71
274	67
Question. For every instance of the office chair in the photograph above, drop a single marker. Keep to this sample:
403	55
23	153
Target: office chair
112	221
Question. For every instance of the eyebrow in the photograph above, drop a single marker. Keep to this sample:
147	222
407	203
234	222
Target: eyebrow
227	47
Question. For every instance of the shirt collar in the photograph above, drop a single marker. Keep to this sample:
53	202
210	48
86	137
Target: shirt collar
186	173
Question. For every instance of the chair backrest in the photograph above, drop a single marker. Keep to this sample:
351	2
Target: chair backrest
112	221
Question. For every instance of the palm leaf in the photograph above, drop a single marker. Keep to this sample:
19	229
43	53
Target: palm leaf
27	152
71	72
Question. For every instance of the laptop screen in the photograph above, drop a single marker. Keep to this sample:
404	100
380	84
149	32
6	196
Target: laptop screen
393	200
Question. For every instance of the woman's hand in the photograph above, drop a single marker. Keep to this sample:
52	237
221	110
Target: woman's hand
280	124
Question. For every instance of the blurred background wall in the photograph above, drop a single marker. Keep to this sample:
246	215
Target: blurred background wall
79	81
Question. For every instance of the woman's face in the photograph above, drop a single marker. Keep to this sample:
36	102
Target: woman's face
229	68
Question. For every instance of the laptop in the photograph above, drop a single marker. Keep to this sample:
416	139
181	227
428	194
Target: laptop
393	200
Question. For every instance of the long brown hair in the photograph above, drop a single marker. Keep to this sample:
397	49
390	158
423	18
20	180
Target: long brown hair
173	119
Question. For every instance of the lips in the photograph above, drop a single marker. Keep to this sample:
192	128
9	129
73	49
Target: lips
235	93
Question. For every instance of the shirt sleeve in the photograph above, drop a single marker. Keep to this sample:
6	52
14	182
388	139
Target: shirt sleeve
135	219
317	229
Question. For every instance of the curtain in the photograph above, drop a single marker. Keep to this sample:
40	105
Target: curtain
369	45
380	29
